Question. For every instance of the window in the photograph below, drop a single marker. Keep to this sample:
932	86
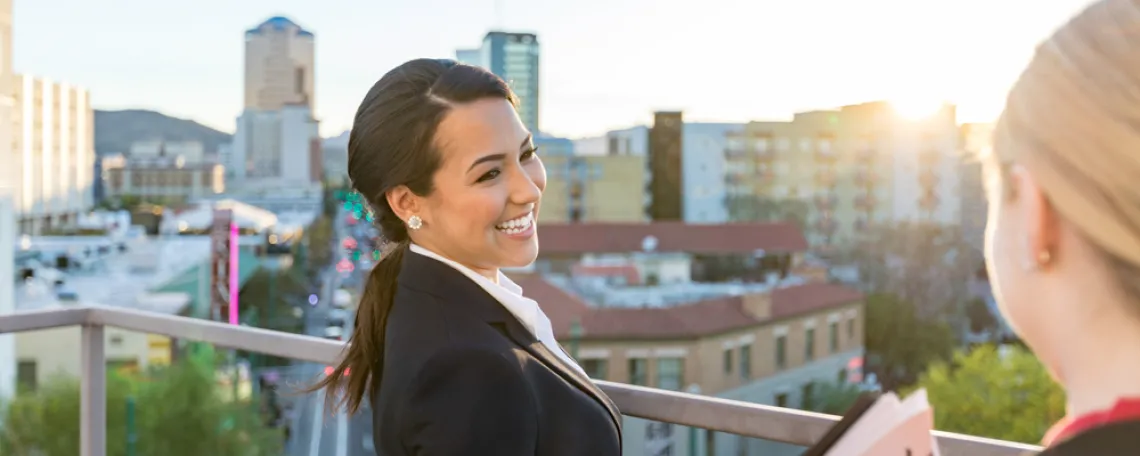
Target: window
746	362
807	397
782	400
781	351
833	336
597	369
728	361
26	375
809	344
850	328
670	373
638	371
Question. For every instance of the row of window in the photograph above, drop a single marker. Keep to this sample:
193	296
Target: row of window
670	371
781	348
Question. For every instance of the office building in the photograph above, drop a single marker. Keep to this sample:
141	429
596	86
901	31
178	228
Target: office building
848	169
279	65
515	58
276	148
53	151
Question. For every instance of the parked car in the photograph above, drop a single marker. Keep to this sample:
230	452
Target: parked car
337	317
334	333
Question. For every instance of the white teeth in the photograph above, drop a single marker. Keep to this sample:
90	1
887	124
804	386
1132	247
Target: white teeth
518	225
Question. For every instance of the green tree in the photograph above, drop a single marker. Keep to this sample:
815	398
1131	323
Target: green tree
1002	393
833	398
762	209
180	412
926	264
899	344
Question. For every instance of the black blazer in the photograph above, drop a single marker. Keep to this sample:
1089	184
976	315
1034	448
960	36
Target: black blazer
1114	439
462	376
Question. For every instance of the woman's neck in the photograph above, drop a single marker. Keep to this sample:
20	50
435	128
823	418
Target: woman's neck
491	274
1100	364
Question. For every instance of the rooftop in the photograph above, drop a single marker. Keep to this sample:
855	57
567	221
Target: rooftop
278	24
723	239
702	318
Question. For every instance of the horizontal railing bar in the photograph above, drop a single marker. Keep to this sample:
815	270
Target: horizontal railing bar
37	320
277	343
767	422
706	412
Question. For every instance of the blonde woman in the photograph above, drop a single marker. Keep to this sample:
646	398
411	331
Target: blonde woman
1063	241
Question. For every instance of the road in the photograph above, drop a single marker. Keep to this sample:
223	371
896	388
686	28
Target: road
316	432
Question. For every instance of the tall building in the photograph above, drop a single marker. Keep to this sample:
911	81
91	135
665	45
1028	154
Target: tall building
281	146
703	170
515	58
277	142
54	153
847	169
666	184
9	184
279	65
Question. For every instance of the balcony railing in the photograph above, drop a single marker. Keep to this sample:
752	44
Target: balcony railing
721	415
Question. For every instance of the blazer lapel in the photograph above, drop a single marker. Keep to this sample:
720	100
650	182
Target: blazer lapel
539	350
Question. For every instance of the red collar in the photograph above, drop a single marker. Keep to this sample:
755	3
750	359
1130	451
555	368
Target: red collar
1125	410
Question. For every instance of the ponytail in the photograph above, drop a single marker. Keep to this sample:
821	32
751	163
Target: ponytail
362	365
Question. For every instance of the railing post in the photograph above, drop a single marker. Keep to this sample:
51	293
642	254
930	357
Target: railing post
93	392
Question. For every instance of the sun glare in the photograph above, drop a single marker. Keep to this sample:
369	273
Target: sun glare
916	108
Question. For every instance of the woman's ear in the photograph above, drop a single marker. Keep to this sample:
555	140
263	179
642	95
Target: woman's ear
404	202
1042	223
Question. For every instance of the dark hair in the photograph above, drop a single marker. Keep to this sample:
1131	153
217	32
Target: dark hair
392	144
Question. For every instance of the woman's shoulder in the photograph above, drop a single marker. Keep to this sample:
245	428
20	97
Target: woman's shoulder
1119	438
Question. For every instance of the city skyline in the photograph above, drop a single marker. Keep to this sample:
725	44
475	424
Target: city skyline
606	64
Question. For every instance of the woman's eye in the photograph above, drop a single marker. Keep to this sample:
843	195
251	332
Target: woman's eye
533	152
489	175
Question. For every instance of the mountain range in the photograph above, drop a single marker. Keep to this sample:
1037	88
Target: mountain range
115	131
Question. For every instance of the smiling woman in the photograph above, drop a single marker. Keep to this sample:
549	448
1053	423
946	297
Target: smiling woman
453	357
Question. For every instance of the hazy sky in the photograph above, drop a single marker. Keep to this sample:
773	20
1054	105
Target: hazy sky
605	63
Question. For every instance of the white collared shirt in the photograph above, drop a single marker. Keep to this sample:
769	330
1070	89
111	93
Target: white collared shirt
509	294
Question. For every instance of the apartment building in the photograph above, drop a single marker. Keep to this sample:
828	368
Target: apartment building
161	179
977	139
701	163
767	340
853	167
603	188
53	151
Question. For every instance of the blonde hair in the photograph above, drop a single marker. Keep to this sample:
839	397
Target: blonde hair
1073	120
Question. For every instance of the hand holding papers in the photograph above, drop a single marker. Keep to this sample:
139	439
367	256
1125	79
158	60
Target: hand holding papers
882	425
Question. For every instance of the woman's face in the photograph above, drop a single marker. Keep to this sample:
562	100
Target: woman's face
488	188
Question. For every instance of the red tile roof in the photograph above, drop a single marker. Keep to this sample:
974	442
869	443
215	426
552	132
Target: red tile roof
731	238
677	322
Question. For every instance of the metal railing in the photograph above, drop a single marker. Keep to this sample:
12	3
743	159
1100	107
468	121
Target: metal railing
721	415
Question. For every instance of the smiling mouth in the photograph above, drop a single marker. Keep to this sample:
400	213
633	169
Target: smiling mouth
518	225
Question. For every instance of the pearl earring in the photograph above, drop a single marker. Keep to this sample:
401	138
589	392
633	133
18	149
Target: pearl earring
415	222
